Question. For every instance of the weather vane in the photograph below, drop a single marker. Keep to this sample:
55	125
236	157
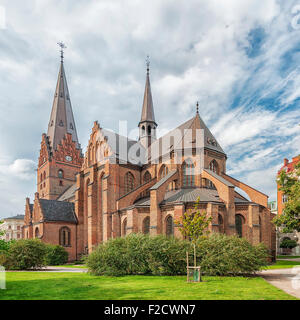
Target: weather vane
148	63
62	47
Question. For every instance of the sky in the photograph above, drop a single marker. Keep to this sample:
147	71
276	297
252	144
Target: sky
239	58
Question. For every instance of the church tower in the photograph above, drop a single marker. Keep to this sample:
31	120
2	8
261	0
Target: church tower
60	154
147	125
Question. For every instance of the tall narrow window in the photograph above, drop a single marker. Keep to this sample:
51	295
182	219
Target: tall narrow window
124	227
213	166
147	177
129	182
146	225
36	232
239	221
188	173
260	230
60	174
163	171
65	237
220	223
169	226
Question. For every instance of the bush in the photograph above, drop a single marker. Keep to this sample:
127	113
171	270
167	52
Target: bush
229	255
159	255
4	245
25	254
288	244
56	255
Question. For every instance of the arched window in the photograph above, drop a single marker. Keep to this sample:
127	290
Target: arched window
188	173
163	171
146	225
65	237
149	130
143	130
239	222
44	175
220	223
147	177
41	177
124	227
213	166
260	230
36	232
60	174
169	226
129	182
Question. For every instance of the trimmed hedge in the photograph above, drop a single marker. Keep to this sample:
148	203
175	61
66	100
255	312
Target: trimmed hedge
56	255
159	255
31	254
25	254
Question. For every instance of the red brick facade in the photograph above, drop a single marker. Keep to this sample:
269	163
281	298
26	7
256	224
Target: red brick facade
113	198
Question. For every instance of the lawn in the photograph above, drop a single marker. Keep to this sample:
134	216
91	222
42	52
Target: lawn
287	257
81	286
81	266
283	264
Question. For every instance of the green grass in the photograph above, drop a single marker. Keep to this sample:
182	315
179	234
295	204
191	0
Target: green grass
82	266
82	286
283	264
287	257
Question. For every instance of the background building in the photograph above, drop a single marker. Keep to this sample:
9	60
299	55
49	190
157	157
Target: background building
12	227
288	166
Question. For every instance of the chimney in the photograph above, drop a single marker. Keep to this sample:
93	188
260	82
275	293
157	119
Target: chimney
285	161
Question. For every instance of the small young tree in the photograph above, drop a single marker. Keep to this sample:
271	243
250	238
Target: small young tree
289	183
194	225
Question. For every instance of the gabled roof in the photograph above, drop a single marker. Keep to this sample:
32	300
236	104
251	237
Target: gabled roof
54	210
61	119
115	140
193	124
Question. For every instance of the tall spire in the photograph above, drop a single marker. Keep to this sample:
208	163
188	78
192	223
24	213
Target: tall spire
147	111
147	124
61	119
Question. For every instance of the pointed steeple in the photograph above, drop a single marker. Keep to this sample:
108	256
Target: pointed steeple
147	125
147	111
61	119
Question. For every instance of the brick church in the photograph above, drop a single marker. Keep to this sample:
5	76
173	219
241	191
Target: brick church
121	186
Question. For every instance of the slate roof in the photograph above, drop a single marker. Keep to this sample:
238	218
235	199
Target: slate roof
188	195
68	194
54	210
147	110
163	180
115	140
17	217
193	124
61	119
224	181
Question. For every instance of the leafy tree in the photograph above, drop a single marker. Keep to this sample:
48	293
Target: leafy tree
2	232
288	243
194	225
289	183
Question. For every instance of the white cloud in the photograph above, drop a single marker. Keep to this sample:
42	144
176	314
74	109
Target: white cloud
198	51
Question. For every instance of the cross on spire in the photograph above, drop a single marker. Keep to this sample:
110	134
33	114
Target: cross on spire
147	63
62	47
